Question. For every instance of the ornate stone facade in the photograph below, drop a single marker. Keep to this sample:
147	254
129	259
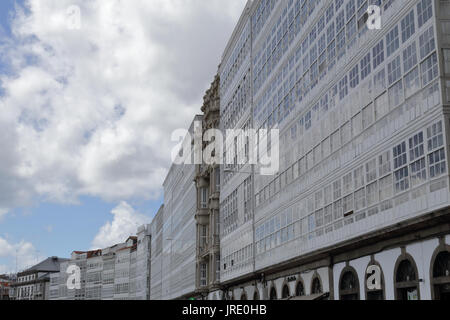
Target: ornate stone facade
208	190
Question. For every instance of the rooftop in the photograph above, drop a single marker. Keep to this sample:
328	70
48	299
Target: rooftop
50	264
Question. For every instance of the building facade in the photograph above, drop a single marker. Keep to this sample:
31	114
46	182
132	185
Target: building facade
178	237
360	206
208	195
94	269
124	264
156	255
237	178
119	272
143	254
5	283
34	283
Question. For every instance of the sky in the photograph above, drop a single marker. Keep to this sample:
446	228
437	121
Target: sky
90	92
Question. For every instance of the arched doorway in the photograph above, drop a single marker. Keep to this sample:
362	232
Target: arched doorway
349	284
273	294
406	279
316	285
256	294
441	276
300	289
244	296
285	293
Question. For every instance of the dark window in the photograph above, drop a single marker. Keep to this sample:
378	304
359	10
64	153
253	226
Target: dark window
299	290
286	293
405	272
349	286
316	286
273	294
407	284
441	266
441	276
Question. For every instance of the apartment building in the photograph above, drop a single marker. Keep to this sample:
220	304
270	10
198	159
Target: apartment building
5	282
54	291
143	266
108	271
119	272
237	176
62	280
94	269
122	269
156	254
34	283
208	195
360	206
133	274
178	237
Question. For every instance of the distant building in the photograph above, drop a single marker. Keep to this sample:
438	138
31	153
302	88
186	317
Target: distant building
5	285
119	272
156	255
34	283
143	253
122	269
178	256
94	268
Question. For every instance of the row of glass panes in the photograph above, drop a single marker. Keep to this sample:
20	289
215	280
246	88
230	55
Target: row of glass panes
261	14
121	288
286	96
240	52
266	59
94	276
237	259
325	149
360	189
239	102
229	213
273	50
398	90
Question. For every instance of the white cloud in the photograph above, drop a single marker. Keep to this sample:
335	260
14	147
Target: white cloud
90	111
124	224
26	253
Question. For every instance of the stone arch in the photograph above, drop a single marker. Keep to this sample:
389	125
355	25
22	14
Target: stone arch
316	284
256	294
285	290
406	277
299	287
273	295
349	284
244	295
439	278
